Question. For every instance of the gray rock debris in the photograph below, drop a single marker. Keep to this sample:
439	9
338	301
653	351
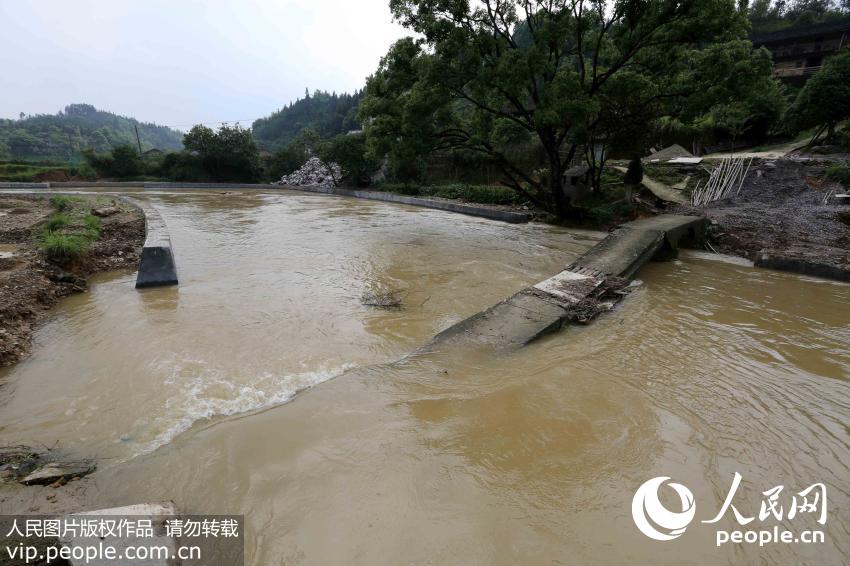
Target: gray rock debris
314	173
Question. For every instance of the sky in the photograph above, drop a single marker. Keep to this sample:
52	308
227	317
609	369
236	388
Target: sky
183	62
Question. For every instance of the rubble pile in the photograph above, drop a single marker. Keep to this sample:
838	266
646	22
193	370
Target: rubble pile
314	173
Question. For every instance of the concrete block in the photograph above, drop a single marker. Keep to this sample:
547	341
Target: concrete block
156	267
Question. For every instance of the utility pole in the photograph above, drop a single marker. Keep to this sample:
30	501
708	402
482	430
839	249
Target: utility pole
138	140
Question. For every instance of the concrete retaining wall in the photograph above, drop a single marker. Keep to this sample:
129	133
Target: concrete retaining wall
450	206
217	186
156	264
132	185
774	260
9	185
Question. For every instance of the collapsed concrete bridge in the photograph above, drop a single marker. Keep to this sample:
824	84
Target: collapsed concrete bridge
584	286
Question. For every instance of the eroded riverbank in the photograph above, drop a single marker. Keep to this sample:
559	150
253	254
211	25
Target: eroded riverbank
30	285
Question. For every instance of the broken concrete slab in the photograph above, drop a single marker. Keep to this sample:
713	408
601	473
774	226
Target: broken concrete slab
685	161
660	190
668	153
53	472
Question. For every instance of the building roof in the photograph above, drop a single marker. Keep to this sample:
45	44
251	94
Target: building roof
668	153
802	32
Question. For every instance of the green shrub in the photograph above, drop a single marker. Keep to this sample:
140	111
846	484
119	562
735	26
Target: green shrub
57	221
608	214
63	247
122	162
93	225
480	194
60	202
352	155
840	173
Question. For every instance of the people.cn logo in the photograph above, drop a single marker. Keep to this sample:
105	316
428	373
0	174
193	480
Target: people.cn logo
656	521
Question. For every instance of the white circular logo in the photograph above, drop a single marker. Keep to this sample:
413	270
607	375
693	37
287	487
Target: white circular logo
650	515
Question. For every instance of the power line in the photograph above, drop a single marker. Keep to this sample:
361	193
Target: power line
251	120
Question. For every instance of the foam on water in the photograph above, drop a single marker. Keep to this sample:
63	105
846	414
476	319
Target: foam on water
210	395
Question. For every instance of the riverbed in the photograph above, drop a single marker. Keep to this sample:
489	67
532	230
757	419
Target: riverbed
263	386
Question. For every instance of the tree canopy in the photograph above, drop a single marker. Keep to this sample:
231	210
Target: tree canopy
825	99
572	76
328	114
227	155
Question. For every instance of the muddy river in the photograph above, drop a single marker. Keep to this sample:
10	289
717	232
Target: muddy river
263	386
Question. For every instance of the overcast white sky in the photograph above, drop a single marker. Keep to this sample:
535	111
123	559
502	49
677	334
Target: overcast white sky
181	62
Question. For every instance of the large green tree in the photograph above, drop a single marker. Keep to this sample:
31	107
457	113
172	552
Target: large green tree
824	101
730	91
227	155
491	75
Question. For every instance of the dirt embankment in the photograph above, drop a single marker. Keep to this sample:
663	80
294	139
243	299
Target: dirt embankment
781	211
30	284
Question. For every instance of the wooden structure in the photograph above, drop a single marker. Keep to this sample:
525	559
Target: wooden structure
799	53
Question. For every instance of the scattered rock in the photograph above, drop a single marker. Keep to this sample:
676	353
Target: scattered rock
105	211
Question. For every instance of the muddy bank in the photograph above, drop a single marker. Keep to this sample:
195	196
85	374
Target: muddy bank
30	284
781	213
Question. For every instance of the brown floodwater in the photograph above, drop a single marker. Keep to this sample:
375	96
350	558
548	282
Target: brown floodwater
263	386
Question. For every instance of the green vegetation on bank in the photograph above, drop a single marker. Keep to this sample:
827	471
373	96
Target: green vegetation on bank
64	136
228	155
69	232
29	172
480	194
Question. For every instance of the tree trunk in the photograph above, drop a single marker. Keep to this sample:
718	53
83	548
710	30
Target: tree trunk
560	203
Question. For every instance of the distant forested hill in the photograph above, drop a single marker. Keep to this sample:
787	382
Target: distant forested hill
62	136
328	114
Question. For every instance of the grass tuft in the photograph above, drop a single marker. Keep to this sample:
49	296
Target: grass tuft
63	247
57	222
60	203
93	225
839	172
